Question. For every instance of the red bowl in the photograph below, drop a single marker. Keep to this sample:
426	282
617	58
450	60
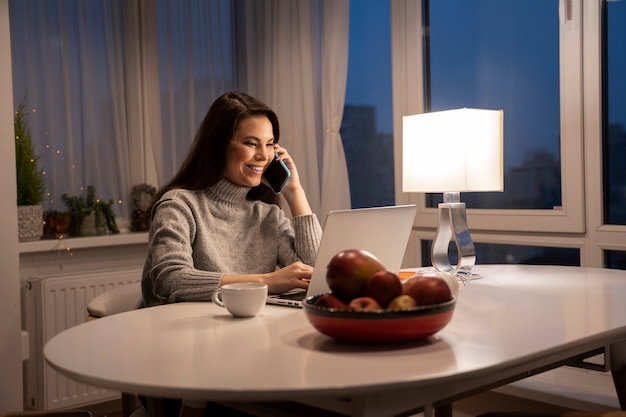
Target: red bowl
379	326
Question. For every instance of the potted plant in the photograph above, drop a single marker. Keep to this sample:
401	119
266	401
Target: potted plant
90	216
141	197
30	181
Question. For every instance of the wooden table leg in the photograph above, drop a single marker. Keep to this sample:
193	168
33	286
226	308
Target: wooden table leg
617	357
156	407
129	404
444	410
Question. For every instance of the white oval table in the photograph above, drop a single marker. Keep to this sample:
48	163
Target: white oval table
513	322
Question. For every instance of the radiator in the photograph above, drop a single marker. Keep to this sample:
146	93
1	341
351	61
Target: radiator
52	304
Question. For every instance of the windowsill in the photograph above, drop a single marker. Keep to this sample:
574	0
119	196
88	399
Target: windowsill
47	245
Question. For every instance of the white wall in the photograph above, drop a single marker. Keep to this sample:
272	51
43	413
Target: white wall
10	321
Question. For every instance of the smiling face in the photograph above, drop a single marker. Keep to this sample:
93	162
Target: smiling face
249	151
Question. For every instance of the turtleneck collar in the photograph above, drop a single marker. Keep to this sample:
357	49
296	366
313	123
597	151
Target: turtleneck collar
229	192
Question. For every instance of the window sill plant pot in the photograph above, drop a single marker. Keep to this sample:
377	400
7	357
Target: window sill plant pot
57	224
30	222
141	197
90	216
30	181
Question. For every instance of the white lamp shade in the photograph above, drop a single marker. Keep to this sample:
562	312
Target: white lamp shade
453	150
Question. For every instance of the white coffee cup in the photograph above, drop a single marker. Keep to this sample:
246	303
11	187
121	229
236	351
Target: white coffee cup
242	299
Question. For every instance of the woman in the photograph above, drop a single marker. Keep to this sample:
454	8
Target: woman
214	223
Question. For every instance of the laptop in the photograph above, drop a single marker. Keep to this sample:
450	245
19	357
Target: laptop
382	231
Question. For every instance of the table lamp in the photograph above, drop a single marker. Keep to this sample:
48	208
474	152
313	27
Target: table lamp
453	151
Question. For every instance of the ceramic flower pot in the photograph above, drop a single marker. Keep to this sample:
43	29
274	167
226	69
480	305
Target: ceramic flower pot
30	222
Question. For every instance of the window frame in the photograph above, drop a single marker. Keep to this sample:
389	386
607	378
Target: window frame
600	236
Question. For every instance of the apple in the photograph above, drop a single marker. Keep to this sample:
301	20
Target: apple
383	286
330	301
364	304
427	289
402	302
348	271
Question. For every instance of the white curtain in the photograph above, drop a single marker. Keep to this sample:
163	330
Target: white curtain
335	185
301	73
407	73
68	67
141	92
197	63
121	87
118	88
408	90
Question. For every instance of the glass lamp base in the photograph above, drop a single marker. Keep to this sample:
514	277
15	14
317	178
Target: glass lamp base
453	227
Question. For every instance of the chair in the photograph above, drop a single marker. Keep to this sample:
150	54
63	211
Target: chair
118	300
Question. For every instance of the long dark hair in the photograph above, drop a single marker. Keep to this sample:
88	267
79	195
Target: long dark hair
206	161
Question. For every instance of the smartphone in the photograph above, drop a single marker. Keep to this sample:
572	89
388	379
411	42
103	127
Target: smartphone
277	175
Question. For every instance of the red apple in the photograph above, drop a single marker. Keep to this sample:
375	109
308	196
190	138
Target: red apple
348	271
383	287
427	290
364	304
330	301
402	302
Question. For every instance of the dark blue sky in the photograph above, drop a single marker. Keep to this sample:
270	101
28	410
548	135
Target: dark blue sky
369	61
517	71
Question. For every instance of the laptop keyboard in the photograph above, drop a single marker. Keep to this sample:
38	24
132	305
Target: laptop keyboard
297	296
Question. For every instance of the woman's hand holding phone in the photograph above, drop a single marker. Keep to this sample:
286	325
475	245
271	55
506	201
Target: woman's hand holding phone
290	187
276	175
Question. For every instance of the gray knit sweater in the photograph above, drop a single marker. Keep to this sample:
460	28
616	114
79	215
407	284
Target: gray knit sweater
197	237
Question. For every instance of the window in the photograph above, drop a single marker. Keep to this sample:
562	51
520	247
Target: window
493	60
578	46
91	69
69	52
482	55
492	253
366	129
615	259
159	65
